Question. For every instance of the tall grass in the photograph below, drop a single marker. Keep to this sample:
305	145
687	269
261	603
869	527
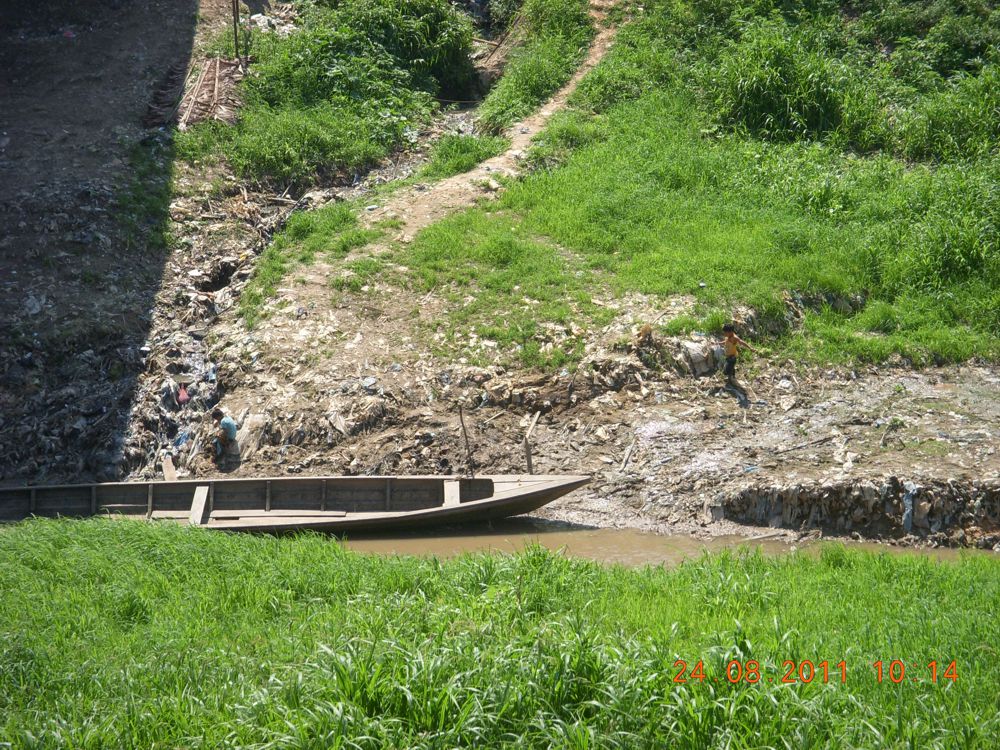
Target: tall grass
123	634
455	154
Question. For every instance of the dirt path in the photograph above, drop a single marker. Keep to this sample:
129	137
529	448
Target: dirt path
305	319
417	208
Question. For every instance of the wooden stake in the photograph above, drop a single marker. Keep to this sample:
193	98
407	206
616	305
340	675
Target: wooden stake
628	455
527	443
468	448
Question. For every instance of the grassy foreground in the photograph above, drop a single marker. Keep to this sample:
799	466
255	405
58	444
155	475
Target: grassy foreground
116	634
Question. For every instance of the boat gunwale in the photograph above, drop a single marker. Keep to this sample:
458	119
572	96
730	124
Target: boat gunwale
532	478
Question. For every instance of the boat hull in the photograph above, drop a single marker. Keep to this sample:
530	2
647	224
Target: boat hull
275	505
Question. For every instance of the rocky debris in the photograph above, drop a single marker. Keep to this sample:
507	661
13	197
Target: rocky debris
279	20
945	513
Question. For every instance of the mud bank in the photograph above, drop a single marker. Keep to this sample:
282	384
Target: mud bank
951	514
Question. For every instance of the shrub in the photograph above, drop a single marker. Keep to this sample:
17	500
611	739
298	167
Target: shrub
959	123
773	86
349	86
431	38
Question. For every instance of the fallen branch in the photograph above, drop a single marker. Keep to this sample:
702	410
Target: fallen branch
628	456
805	445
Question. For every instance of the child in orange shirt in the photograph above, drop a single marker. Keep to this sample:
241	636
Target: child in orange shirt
732	344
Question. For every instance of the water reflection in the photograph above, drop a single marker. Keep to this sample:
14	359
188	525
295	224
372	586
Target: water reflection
622	546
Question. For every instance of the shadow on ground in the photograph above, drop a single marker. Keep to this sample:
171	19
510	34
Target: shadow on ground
84	200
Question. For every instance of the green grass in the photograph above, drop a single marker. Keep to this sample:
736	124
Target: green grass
330	232
557	33
142	203
363	272
738	153
521	285
123	634
455	154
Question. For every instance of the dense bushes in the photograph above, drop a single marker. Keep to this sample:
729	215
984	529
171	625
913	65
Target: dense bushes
350	85
915	79
772	85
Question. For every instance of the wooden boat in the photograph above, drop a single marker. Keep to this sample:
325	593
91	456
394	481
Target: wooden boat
286	504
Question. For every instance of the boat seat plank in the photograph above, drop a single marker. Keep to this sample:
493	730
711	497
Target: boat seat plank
264	522
197	516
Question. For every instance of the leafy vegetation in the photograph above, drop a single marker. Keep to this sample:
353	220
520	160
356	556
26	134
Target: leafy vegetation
122	634
557	33
454	154
749	154
352	84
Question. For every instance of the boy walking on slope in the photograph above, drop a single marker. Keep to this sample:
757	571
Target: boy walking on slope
732	344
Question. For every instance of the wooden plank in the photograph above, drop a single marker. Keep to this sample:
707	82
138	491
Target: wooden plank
197	515
273	522
149	500
388	494
322	500
169	472
267	497
452	493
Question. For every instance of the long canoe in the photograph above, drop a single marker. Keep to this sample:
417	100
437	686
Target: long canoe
286	504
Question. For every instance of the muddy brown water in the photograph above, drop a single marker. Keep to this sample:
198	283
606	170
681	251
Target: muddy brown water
629	547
